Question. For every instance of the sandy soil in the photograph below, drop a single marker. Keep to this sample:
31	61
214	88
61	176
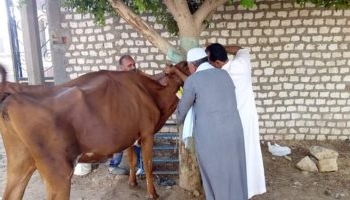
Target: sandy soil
284	180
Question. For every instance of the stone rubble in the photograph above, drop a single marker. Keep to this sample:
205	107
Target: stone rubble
325	160
306	164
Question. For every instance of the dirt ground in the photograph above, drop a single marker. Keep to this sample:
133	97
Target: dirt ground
284	181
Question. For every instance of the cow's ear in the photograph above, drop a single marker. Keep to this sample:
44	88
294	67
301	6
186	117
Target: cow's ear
169	65
164	81
183	66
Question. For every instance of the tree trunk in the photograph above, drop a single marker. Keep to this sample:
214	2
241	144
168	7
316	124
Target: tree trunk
189	176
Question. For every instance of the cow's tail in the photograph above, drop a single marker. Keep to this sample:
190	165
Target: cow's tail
3	72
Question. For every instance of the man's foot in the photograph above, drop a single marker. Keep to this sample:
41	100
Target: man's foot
139	171
117	171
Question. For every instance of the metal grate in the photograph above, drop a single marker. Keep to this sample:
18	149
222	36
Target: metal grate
166	155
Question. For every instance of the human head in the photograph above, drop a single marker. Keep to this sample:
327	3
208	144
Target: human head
217	55
196	57
127	63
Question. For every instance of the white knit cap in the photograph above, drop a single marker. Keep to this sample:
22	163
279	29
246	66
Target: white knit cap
196	54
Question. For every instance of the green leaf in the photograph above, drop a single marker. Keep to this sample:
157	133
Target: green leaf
247	3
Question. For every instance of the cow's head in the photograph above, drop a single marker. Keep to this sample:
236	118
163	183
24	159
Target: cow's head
183	67
173	73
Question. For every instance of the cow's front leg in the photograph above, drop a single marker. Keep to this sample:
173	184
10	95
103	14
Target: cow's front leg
132	164
147	155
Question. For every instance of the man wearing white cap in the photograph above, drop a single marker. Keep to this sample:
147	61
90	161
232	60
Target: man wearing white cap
217	128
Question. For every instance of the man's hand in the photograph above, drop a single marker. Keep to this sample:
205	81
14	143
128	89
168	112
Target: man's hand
232	49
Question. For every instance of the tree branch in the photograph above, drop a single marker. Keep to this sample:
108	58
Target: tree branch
178	8
141	26
208	18
188	31
204	11
182	15
171	8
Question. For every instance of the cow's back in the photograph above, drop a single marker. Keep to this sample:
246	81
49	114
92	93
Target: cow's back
107	109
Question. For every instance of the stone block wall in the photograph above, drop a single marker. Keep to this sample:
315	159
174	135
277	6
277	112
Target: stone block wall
93	47
300	57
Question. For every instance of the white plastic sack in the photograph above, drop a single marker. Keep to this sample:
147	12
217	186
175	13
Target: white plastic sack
82	169
187	131
278	150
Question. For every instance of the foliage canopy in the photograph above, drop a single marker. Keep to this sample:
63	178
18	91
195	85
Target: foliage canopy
99	8
335	4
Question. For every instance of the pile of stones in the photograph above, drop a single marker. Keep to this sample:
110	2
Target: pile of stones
321	159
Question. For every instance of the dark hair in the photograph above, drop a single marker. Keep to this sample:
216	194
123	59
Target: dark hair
124	57
200	61
216	52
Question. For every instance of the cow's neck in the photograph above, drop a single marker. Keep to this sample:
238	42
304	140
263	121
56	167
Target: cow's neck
167	102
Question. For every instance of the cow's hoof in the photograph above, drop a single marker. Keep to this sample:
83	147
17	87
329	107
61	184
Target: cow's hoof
132	184
153	196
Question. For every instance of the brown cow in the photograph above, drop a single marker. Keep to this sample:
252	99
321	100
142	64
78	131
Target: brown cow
87	120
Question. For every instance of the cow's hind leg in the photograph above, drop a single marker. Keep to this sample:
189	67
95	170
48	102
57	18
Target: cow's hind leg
54	162
56	172
49	142
20	166
147	155
132	165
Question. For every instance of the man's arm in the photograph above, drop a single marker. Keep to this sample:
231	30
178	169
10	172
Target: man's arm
233	49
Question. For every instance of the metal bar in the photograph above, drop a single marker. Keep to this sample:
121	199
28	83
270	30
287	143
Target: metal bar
16	55
165	147
166	135
166	172
165	160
